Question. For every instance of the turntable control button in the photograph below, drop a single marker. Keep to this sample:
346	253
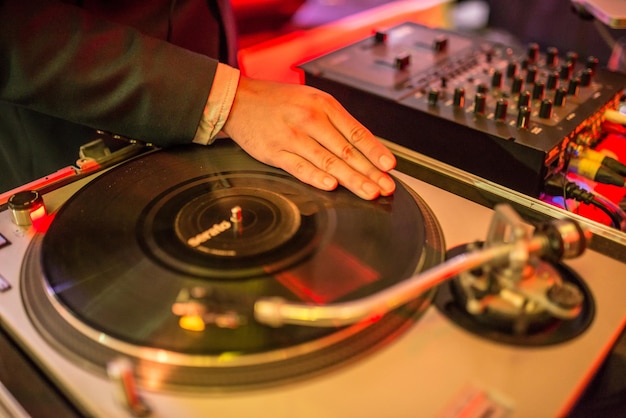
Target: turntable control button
440	44
24	205
380	37
402	61
122	374
3	241
4	284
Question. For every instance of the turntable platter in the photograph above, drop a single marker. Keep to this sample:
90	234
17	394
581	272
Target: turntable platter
162	258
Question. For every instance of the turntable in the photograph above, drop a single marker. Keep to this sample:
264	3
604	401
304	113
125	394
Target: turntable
197	281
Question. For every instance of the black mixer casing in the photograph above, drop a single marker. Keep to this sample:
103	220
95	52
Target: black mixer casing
418	87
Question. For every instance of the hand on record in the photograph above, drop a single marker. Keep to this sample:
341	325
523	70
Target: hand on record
307	133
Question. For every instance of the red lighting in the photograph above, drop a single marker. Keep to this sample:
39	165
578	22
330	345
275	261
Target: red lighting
40	219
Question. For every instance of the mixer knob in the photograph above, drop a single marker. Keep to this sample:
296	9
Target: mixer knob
500	112
433	97
440	44
482	88
496	79
525	64
585	77
511	69
553	81
573	87
531	74
403	60
559	97
524	99
566	71
572	58
552	57
592	63
533	52
459	97
545	110
516	86
480	103
523	117
538	90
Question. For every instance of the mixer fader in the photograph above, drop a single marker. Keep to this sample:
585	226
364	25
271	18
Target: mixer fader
506	113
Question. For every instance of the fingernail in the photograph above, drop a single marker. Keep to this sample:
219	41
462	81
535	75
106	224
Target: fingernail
370	189
330	182
386	163
386	184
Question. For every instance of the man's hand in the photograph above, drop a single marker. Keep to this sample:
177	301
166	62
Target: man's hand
307	133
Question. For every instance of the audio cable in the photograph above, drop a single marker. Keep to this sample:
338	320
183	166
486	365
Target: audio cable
558	185
615	116
596	171
605	160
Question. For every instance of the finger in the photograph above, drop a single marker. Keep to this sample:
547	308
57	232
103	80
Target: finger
357	172
354	180
361	138
313	164
306	171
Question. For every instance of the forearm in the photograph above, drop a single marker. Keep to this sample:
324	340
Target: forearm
64	62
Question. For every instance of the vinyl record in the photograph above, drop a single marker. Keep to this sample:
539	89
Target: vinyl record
162	258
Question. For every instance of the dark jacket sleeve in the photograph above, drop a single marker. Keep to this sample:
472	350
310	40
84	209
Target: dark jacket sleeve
61	61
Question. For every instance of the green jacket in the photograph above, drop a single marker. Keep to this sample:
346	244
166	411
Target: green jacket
140	69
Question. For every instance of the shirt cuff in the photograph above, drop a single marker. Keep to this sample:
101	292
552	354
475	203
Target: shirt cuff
218	104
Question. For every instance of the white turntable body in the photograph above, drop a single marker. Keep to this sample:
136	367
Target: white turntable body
435	369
